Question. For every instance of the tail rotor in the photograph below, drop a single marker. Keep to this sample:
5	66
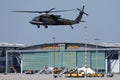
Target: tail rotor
82	11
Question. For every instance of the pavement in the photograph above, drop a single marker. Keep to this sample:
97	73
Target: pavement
14	76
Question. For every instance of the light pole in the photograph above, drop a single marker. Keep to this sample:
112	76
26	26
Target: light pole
85	46
54	50
86	63
97	40
54	55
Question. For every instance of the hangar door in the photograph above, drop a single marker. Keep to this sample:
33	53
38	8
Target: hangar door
81	58
98	60
69	59
34	61
55	59
95	60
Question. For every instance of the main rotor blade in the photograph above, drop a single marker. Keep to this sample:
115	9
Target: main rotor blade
29	11
63	10
49	11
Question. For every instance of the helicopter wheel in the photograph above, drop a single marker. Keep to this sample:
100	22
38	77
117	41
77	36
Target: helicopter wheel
38	26
46	26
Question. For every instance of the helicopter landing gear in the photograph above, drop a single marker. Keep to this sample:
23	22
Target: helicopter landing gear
71	26
38	26
46	26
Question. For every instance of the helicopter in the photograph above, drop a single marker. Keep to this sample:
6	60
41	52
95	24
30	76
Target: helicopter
51	19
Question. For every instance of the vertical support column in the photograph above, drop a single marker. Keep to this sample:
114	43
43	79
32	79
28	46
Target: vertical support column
106	65
6	70
96	57
119	59
106	62
62	59
76	60
97	50
21	64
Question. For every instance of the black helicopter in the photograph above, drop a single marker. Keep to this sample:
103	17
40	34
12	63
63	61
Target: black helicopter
51	19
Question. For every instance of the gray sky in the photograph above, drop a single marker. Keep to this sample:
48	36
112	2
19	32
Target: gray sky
103	21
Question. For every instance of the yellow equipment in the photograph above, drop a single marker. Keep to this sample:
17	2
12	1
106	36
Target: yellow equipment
74	74
68	75
80	75
95	75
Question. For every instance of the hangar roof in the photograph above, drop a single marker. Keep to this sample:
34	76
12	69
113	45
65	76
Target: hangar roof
71	45
4	44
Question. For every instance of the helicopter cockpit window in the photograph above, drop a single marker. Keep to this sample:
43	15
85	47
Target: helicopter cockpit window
35	19
40	19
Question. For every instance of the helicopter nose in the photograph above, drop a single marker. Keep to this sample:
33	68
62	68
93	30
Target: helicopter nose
35	22
32	22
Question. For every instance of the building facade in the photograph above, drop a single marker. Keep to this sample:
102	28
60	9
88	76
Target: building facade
100	57
71	55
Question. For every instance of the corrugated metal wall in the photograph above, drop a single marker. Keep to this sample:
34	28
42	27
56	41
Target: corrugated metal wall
34	61
98	60
68	59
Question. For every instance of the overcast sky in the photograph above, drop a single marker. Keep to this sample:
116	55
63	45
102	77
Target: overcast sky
103	21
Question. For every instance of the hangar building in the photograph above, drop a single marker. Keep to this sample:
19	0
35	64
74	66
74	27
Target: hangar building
102	57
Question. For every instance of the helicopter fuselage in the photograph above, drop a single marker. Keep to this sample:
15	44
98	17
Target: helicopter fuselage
51	20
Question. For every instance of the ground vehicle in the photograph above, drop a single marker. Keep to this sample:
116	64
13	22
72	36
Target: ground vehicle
95	75
74	73
29	72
